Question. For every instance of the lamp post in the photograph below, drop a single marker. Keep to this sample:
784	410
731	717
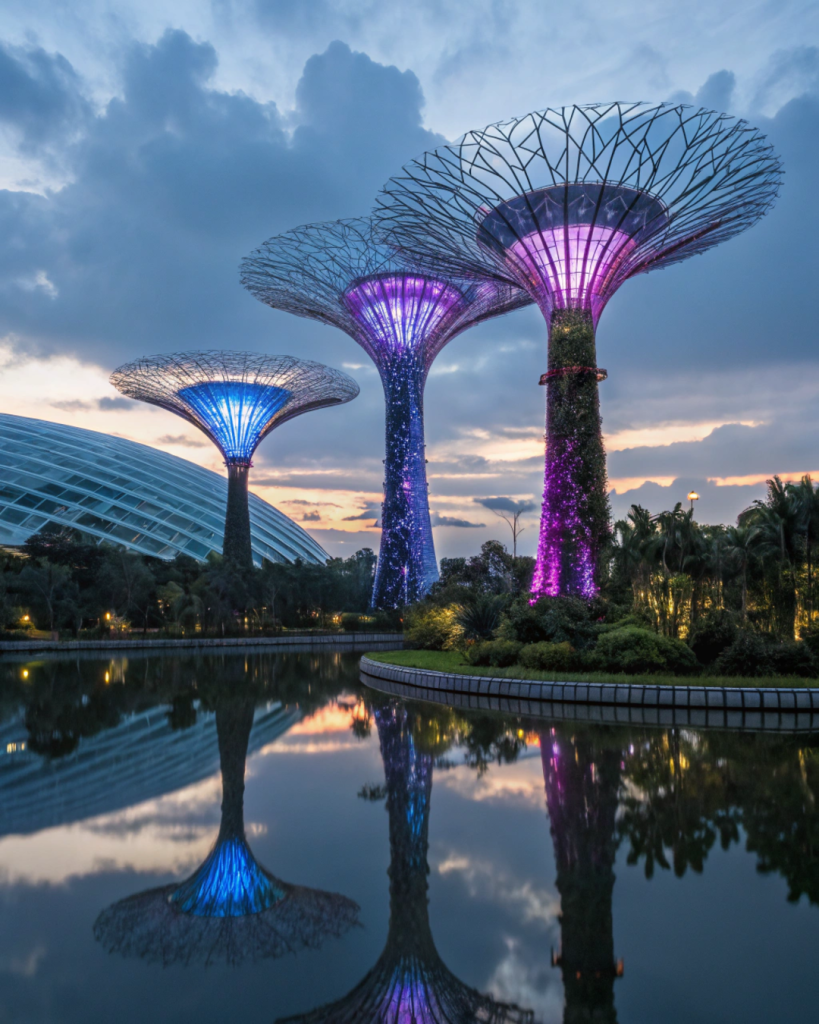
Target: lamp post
692	497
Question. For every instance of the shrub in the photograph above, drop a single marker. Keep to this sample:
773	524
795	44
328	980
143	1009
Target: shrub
553	619
430	628
635	651
351	622
711	635
481	617
548	657
497	653
758	654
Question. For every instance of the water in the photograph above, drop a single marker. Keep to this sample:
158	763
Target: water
686	864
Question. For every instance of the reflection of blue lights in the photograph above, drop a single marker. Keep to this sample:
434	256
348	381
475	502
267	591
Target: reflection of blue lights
235	413
229	884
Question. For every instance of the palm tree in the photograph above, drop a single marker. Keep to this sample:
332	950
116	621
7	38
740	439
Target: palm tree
740	545
807	502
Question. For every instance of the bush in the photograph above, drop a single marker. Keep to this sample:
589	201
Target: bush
635	651
758	654
352	622
497	653
430	628
553	619
548	657
481	617
711	635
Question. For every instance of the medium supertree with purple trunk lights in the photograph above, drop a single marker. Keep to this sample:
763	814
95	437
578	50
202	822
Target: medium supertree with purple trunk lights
236	398
410	984
342	274
582	773
567	204
231	908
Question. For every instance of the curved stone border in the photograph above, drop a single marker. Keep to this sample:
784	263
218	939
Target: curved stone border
286	640
779	710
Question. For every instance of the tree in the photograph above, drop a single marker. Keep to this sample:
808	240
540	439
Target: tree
45	584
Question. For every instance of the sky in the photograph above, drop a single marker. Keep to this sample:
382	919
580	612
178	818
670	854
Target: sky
145	148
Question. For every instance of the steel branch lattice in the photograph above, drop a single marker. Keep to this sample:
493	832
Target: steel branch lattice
568	204
236	398
344	274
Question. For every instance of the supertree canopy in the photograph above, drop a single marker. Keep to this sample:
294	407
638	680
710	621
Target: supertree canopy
236	398
410	983
567	204
342	274
582	777
231	908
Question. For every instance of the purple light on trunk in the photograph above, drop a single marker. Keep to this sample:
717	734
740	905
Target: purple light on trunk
565	555
401	313
572	267
404	320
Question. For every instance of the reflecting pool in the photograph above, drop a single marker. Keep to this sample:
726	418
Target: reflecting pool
262	837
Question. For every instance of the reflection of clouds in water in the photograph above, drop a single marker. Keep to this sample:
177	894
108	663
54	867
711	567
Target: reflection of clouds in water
518	785
535	985
170	834
486	880
24	966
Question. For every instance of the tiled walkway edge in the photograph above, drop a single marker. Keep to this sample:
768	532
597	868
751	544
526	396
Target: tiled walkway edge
786	710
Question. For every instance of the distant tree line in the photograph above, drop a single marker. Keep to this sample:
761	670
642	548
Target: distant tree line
63	582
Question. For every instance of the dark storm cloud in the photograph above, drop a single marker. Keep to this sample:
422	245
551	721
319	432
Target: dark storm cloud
175	181
41	98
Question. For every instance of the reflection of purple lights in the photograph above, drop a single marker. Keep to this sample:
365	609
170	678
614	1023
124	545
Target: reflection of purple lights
565	554
574	266
401	313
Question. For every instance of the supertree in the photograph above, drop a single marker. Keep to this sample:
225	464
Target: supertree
230	909
236	398
410	982
342	274
582	777
567	204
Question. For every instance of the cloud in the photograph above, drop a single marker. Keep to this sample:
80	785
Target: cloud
104	404
311	517
41	99
372	511
439	520
181	440
501	504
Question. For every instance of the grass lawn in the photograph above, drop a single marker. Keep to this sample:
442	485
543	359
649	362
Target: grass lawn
453	661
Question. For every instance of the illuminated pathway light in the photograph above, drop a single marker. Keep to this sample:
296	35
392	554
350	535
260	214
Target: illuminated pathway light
236	398
343	274
568	204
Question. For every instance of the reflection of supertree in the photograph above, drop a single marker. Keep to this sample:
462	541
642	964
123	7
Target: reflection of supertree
231	908
568	204
410	984
340	274
236	398
582	789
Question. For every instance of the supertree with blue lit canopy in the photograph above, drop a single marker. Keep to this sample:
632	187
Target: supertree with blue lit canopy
231	908
236	398
567	204
410	982
341	273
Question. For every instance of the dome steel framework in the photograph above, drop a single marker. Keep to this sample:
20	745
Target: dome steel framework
567	204
342	274
236	398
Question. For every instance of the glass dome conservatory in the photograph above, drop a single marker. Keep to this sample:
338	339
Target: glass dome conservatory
127	493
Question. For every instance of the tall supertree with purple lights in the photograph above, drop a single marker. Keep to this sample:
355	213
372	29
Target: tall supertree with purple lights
342	274
582	776
410	983
231	908
236	398
567	204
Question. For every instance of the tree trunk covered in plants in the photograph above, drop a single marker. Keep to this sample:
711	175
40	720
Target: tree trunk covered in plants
406	567
236	547
575	517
